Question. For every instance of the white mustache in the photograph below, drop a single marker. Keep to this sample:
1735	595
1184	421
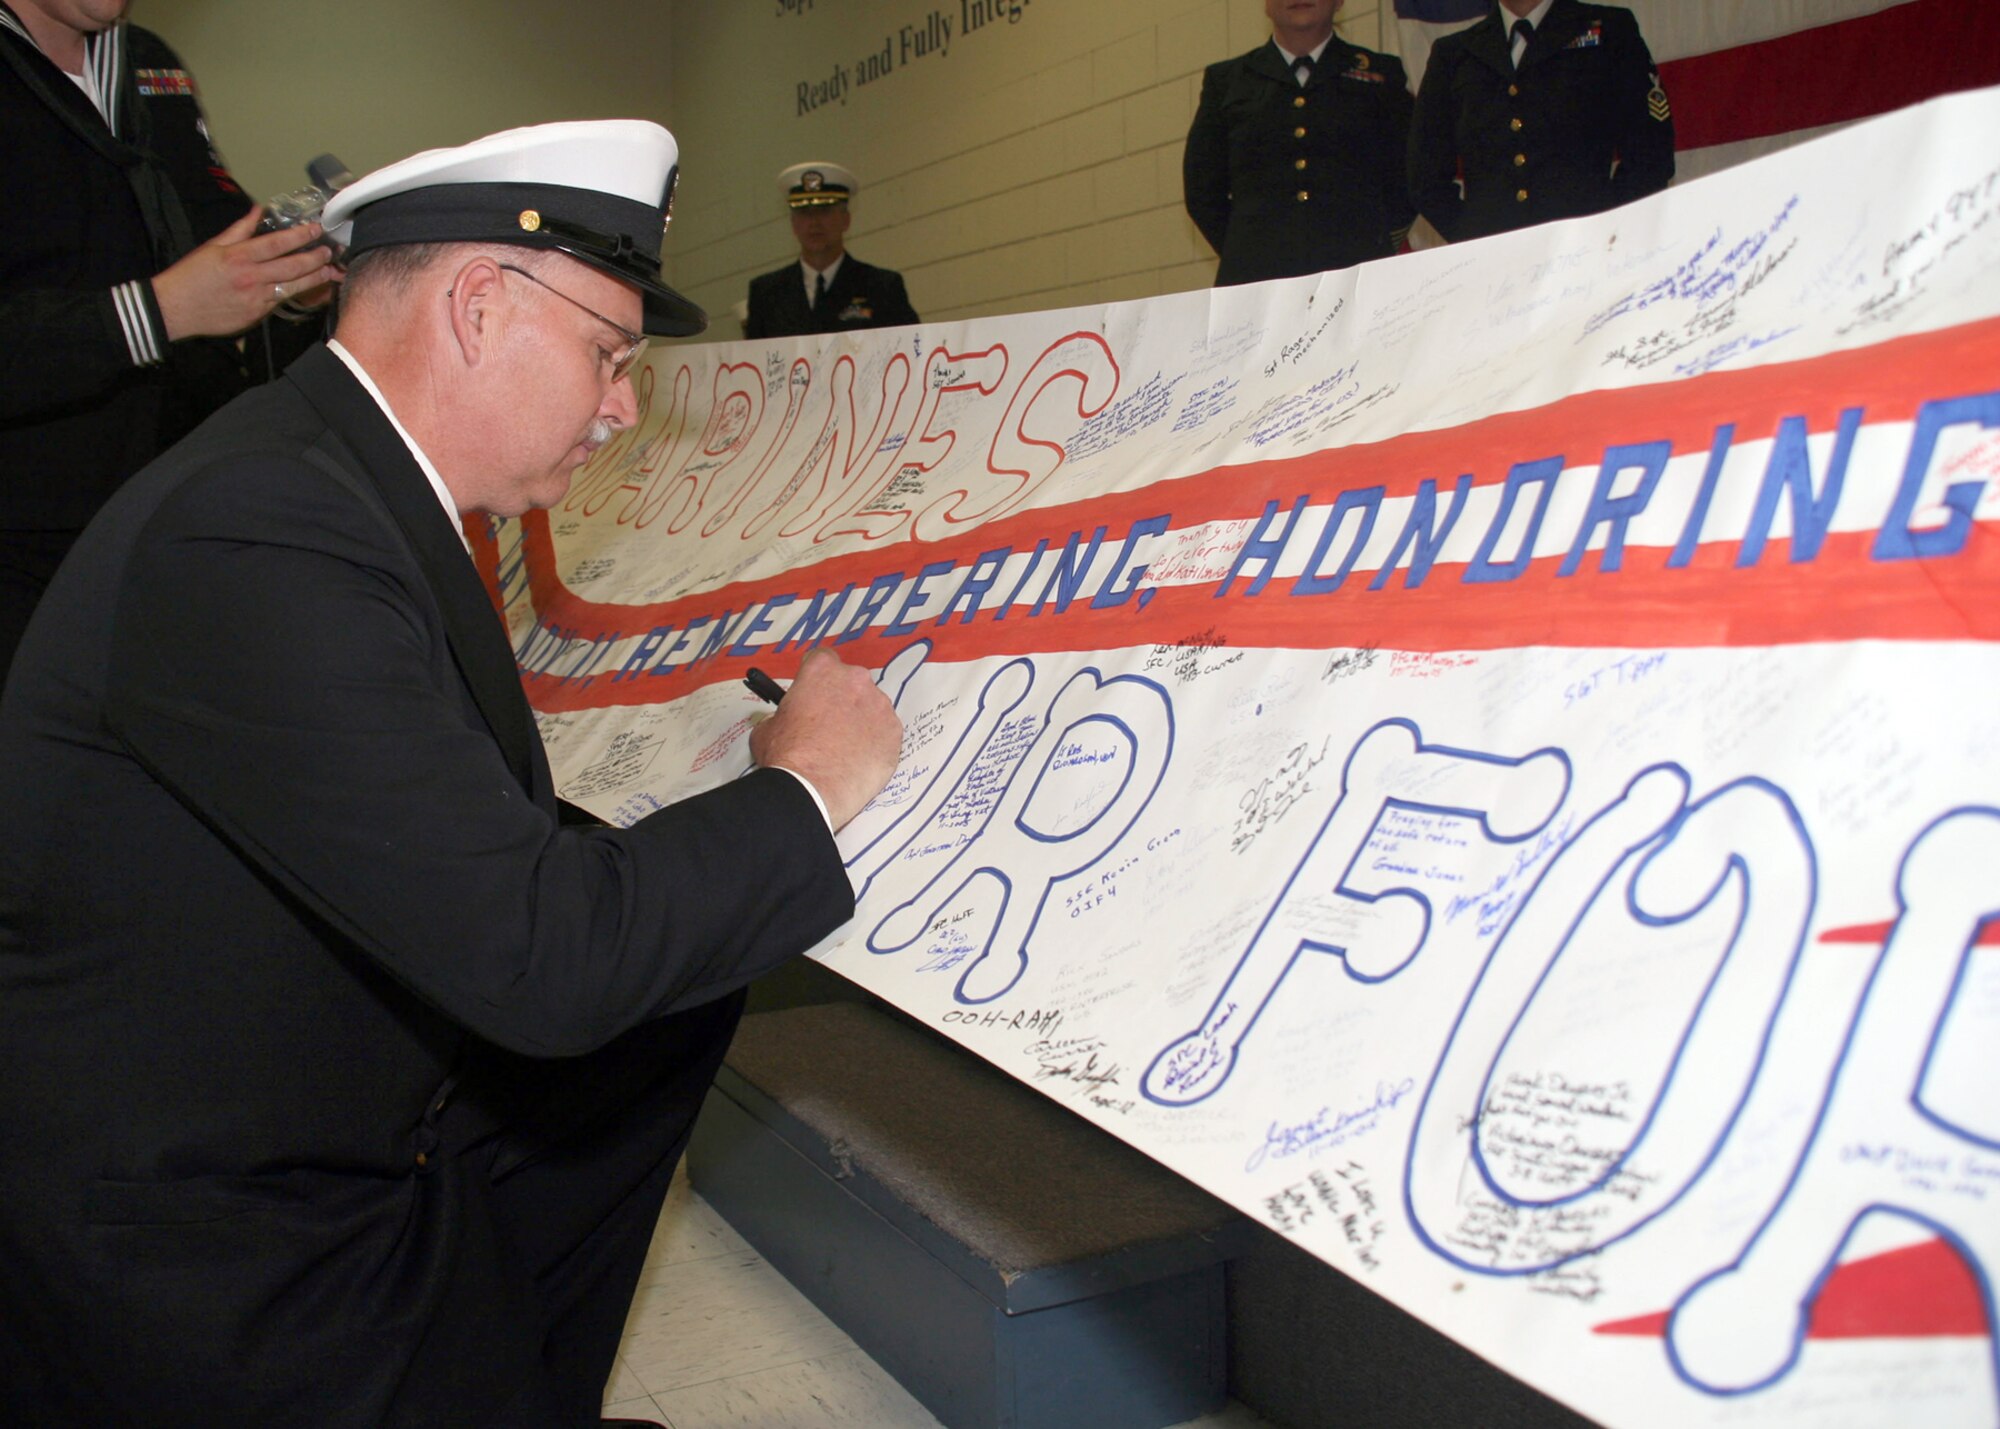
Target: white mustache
598	433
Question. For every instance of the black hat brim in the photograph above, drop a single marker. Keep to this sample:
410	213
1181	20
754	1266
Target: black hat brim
614	235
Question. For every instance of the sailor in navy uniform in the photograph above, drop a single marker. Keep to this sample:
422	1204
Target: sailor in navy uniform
828	289
1539	111
117	333
1294	163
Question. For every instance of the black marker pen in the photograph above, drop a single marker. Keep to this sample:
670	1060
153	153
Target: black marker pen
763	686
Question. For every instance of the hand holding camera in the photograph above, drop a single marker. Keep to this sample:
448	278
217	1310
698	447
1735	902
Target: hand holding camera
275	254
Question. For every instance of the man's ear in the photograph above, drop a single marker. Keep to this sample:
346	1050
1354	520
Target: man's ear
475	307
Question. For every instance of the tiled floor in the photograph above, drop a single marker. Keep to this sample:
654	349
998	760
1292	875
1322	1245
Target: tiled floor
719	1340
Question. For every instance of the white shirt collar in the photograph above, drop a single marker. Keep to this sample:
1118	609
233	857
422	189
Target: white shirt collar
1317	50
810	273
430	472
1534	17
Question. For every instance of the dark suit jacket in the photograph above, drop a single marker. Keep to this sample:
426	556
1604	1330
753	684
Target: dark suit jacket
860	296
285	916
1282	180
1539	143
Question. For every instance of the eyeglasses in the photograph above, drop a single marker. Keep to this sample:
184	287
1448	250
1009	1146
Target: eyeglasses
627	357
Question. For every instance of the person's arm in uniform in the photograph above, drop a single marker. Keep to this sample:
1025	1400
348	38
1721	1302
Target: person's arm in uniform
1393	148
65	346
1205	162
1433	151
60	347
1644	118
756	321
896	310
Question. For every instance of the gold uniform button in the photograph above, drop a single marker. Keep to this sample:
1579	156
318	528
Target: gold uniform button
1515	125
1513	89
1520	159
1299	101
1520	196
1303	195
423	1160
1300	132
1298	163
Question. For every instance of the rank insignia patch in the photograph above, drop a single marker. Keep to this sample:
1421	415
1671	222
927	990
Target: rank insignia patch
1656	101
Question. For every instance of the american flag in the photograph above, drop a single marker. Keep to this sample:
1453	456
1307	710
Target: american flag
1747	77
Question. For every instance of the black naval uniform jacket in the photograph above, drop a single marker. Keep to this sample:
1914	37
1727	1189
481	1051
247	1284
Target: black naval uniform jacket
90	390
283	901
1538	143
860	296
1283	180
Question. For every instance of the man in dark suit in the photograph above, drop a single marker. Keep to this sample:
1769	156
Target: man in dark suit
342	1079
1544	109
1294	162
828	289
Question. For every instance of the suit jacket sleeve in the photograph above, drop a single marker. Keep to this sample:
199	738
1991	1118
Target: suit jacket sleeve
1433	150
1645	143
279	666
1205	162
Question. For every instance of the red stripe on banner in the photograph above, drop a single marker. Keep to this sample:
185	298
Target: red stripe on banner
1842	594
1889	381
1921	1291
1833	73
1878	934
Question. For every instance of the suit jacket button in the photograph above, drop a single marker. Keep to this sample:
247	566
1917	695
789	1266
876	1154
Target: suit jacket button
1521	196
423	1160
1300	132
1303	195
1298	101
1298	163
1513	89
1515	125
1520	159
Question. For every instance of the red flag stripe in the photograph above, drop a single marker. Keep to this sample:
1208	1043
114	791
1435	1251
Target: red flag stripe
1833	73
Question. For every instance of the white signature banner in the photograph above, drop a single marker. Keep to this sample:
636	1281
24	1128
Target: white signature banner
1489	762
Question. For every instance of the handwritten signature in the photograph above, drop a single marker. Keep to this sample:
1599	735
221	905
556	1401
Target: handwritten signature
1275	795
1325	1129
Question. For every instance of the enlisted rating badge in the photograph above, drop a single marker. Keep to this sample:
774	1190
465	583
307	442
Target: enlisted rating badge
1656	101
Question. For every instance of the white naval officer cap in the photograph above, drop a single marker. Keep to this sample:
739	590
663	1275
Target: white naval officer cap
817	183
599	190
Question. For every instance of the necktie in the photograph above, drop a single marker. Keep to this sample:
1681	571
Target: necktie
1524	35
1303	68
819	290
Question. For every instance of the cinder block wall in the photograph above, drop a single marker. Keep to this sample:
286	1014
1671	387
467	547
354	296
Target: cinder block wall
1033	163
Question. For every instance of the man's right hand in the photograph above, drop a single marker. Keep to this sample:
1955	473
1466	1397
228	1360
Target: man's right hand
837	730
234	280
